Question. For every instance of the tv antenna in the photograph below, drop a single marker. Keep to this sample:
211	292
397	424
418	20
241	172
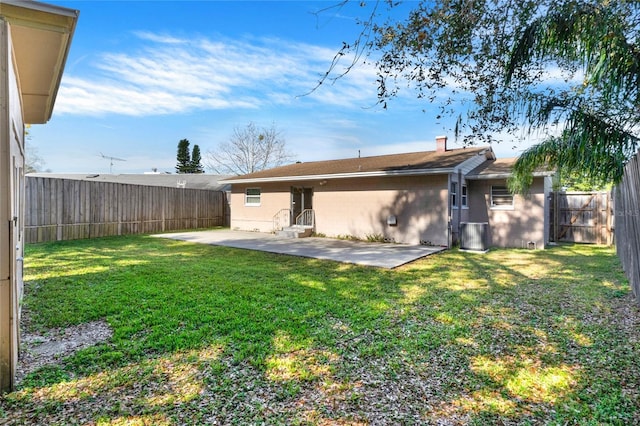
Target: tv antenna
111	160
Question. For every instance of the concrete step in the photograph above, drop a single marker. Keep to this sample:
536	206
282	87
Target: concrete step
295	232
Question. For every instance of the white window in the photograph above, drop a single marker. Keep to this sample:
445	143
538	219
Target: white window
454	193
463	198
252	197
501	197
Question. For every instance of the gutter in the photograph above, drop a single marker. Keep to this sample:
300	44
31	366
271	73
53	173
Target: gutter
42	7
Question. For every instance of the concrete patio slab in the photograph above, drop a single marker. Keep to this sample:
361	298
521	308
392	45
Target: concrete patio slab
356	252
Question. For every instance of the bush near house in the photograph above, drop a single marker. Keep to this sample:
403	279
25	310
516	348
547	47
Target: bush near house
206	335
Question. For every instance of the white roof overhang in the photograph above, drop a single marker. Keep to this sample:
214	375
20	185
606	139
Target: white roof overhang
505	175
384	173
41	36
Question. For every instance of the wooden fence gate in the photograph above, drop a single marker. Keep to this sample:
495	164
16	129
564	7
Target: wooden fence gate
581	217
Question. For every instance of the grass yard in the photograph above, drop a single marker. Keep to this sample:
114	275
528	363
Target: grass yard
213	335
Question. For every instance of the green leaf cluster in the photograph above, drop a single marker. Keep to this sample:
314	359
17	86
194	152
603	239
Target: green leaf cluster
564	71
599	115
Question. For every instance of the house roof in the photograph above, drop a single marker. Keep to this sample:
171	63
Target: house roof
189	181
41	35
499	169
414	163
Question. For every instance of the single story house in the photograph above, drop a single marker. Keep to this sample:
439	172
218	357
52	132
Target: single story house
34	44
414	198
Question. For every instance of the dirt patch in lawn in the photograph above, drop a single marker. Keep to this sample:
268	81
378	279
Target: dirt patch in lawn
38	350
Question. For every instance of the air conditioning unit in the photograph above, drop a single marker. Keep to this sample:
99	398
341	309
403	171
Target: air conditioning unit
474	236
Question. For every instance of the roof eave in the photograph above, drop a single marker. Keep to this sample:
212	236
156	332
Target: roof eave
505	175
39	7
383	173
31	19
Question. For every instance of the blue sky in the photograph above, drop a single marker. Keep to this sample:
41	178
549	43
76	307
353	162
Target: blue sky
142	75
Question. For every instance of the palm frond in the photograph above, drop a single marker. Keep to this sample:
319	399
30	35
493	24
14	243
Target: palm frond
596	35
588	143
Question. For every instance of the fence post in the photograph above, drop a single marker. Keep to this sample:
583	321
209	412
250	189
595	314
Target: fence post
556	217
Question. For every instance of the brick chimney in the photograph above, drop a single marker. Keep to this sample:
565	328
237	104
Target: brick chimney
441	143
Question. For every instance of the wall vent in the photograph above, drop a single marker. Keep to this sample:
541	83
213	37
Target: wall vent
474	236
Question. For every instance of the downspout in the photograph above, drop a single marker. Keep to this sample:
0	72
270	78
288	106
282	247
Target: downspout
449	236
459	200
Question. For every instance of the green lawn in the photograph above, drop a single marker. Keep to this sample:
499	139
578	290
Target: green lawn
212	335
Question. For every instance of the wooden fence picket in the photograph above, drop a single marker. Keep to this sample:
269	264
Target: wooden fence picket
627	223
66	209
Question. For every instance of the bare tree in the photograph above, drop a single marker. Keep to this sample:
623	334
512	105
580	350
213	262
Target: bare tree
249	149
33	162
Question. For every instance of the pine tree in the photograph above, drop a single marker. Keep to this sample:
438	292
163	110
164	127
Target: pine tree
184	159
196	166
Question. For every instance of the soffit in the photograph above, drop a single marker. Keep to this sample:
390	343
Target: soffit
41	36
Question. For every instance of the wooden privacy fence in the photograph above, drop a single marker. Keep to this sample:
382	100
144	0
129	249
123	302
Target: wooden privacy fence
627	213
581	217
65	209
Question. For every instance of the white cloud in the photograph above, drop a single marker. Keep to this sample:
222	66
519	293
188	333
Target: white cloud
166	74
80	96
159	38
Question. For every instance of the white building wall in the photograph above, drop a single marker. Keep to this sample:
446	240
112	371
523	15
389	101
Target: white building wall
358	208
362	208
513	226
274	197
11	208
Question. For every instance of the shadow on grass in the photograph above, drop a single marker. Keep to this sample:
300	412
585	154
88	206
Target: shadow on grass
209	334
545	341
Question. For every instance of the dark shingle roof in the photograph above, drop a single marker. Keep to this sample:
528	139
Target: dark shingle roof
499	169
392	164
